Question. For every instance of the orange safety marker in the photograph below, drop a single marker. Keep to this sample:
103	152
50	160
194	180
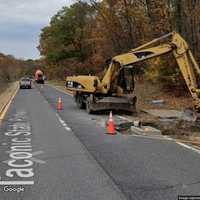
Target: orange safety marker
59	106
110	125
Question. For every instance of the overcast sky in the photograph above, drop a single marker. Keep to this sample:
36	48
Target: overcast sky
21	22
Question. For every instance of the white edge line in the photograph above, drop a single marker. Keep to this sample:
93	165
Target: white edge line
16	182
189	147
60	90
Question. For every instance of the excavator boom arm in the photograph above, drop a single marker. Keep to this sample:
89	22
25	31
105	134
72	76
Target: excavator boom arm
175	44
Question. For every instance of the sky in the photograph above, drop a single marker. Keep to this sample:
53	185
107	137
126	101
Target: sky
21	22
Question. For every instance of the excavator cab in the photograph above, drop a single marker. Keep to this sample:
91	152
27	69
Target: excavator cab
125	79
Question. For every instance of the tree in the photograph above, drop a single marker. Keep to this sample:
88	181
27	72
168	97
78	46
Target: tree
158	12
67	37
187	22
80	37
12	69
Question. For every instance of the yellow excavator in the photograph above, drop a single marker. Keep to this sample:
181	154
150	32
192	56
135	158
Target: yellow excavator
115	91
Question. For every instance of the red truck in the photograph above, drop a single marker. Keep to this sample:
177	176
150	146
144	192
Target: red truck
39	77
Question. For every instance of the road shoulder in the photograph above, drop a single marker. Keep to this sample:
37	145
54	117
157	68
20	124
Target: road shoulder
7	97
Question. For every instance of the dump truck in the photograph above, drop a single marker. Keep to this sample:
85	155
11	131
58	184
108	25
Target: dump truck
115	91
39	77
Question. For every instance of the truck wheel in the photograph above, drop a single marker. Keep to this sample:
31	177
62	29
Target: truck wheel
79	101
88	106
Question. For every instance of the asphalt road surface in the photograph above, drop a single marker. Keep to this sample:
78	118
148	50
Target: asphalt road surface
66	155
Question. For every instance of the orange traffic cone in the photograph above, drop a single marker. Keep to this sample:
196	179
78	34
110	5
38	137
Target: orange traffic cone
59	106
111	126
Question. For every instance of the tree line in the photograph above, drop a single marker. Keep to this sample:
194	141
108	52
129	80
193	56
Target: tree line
82	36
11	69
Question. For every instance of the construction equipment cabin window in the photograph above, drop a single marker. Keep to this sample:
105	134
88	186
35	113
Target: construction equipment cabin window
126	79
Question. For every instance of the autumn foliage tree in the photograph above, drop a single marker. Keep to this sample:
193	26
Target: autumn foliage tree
80	37
11	69
66	41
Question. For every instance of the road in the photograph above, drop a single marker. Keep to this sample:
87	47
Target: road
66	155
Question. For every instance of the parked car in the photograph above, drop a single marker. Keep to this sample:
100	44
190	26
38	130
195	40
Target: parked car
25	83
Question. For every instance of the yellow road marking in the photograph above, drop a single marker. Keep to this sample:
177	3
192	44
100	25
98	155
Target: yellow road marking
7	105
